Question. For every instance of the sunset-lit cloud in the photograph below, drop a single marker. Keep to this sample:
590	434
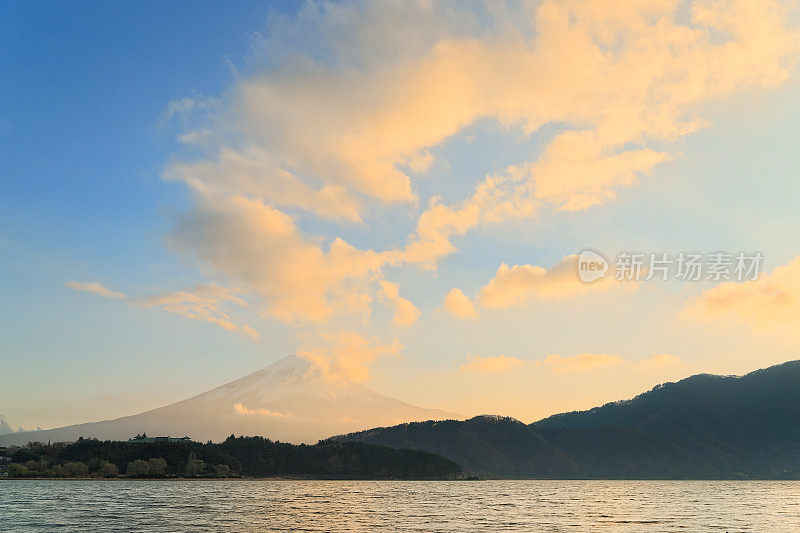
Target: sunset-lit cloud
458	305
768	305
405	313
560	364
343	133
349	179
94	288
487	365
346	355
203	302
243	173
263	248
242	410
519	284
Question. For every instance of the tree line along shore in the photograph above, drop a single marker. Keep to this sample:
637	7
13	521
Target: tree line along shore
235	457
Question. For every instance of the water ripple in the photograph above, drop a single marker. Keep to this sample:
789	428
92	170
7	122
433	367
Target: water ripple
278	505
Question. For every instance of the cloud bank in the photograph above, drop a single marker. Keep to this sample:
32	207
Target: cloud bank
338	127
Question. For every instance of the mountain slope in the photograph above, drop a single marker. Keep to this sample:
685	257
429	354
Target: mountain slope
738	423
484	445
5	427
701	427
289	401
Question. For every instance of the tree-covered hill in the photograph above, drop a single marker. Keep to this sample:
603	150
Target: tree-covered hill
701	427
737	424
236	456
490	445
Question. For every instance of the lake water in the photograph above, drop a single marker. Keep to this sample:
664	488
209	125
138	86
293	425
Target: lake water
276	505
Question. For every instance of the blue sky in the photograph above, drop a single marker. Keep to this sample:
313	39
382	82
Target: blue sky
87	138
84	87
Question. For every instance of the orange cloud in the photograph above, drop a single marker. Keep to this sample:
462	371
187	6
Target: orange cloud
333	136
203	302
242	410
660	360
346	355
243	173
520	284
94	288
405	313
262	248
767	305
458	305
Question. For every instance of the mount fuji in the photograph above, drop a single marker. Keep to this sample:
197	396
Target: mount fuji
290	401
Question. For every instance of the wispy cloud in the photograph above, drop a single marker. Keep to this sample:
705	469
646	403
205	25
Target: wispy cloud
190	111
203	302
94	288
242	410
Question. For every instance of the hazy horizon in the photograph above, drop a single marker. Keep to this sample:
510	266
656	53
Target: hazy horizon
174	426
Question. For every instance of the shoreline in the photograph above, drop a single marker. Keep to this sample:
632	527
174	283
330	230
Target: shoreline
638	480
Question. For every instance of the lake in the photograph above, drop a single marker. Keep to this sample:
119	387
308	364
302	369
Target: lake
282	505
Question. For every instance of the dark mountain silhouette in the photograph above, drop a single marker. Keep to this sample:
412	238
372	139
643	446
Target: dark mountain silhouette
704	426
235	456
488	445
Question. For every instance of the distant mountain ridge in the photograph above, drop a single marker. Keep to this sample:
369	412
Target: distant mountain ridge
704	426
484	445
5	427
290	401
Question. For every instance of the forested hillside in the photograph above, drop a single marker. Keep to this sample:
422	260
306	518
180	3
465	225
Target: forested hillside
701	427
236	456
